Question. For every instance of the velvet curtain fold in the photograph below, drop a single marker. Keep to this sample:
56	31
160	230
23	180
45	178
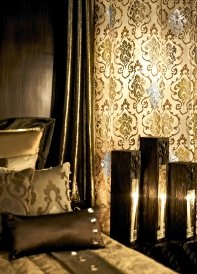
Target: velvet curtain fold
73	94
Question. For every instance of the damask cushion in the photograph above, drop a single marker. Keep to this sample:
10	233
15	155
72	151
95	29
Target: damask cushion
74	230
50	192
15	191
14	125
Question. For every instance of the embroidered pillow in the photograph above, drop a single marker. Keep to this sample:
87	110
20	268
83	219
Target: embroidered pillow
14	192
50	192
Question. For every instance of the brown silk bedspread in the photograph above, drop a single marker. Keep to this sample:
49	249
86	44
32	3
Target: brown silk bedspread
114	259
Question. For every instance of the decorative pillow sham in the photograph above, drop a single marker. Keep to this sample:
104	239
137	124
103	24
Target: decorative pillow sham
74	230
50	191
46	125
14	192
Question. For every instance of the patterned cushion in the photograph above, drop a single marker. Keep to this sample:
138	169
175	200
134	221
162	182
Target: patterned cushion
50	192
14	193
15	190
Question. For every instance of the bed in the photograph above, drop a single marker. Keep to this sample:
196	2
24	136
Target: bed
114	258
40	231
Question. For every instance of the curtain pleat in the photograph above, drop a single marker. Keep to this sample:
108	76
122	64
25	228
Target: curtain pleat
73	93
90	97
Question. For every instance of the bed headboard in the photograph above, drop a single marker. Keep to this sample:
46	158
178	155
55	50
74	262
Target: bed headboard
26	54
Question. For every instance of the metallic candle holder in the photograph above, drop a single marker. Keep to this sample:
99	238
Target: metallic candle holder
125	178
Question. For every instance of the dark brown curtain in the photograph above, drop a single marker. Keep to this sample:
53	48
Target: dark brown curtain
73	94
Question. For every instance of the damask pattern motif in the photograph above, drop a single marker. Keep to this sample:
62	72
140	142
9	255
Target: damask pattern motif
50	192
15	190
177	21
145	79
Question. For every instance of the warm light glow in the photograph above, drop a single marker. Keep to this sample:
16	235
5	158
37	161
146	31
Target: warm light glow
190	197
162	197
161	202
134	208
135	196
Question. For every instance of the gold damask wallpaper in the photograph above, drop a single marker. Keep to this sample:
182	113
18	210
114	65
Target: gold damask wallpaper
145	80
